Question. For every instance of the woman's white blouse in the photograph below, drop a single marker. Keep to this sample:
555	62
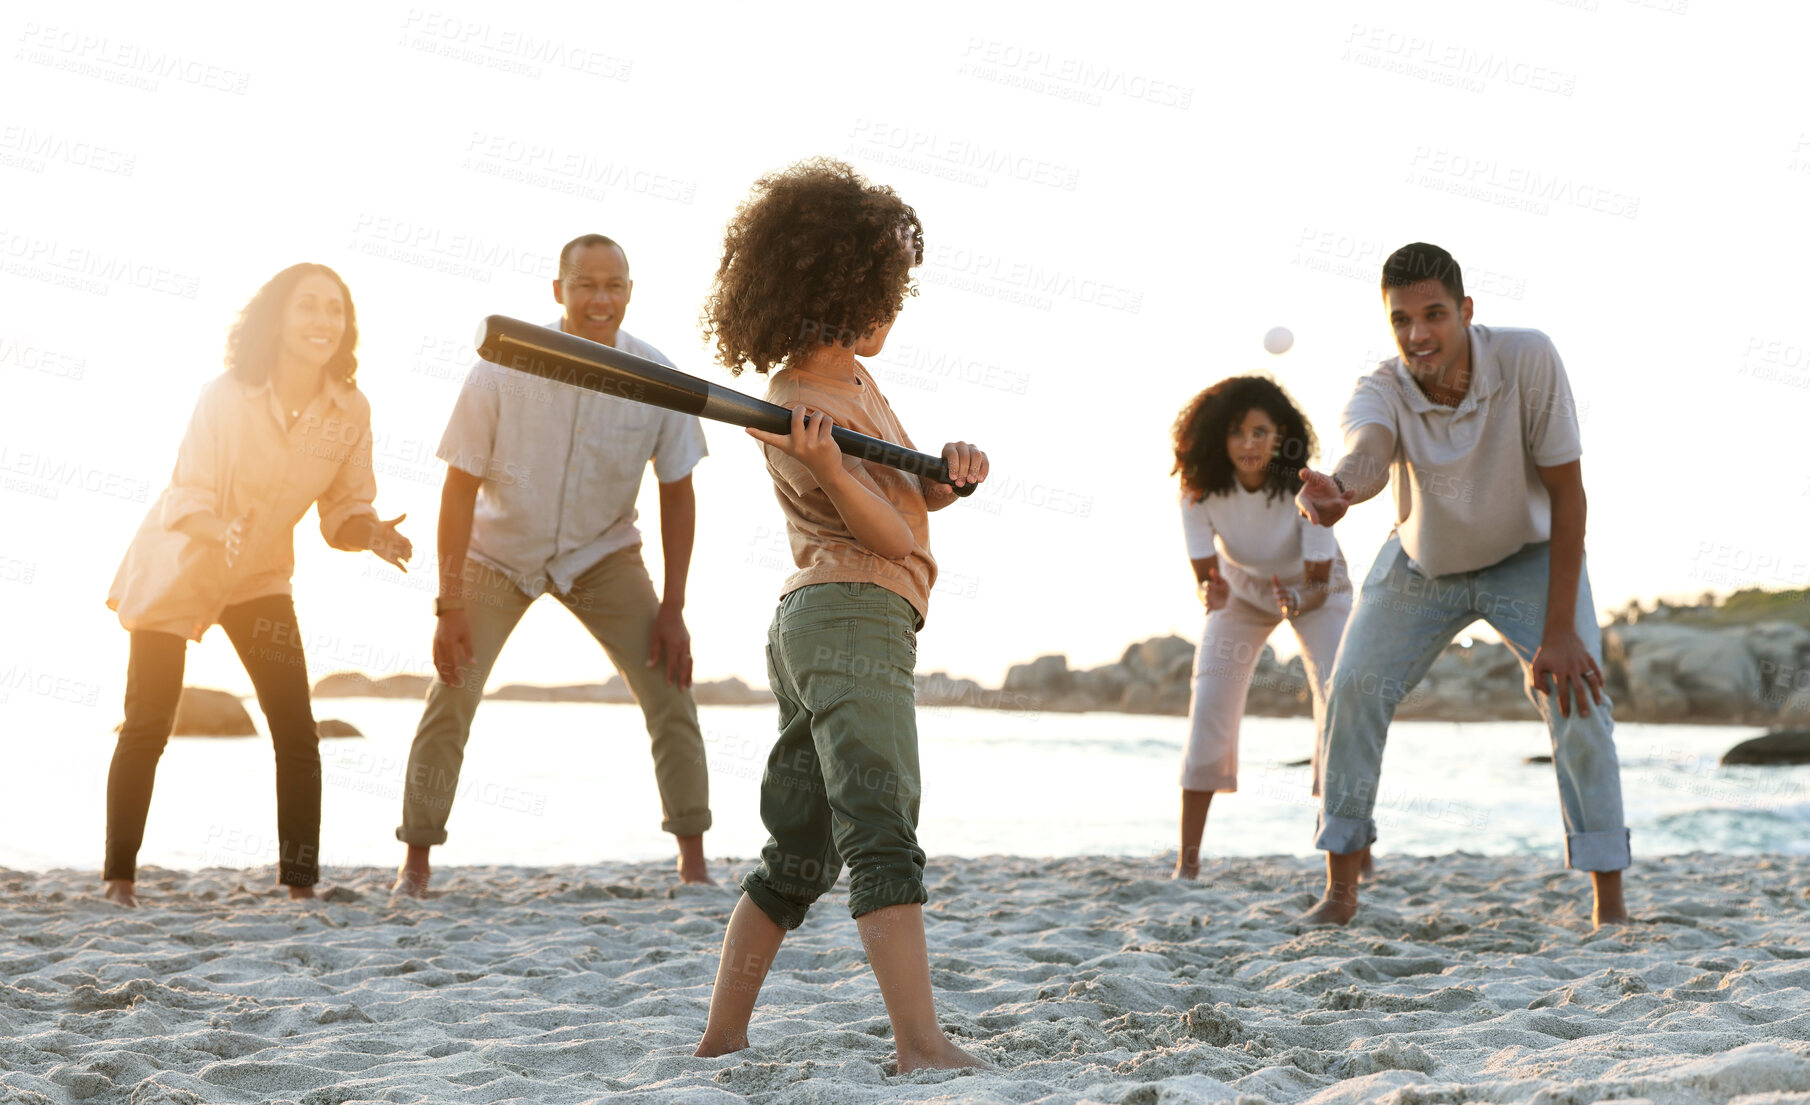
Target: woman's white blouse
1264	535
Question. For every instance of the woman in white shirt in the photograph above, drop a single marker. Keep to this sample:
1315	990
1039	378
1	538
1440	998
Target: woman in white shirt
283	429
1239	446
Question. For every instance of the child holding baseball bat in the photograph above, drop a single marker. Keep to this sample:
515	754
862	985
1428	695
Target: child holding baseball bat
816	266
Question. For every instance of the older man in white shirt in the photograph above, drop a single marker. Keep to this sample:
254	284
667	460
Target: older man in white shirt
540	493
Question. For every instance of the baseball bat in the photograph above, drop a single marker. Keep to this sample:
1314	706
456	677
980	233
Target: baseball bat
568	359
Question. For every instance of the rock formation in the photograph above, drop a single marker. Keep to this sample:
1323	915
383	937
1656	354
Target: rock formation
1787	746
205	713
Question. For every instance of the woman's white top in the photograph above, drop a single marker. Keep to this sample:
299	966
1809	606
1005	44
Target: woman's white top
1263	535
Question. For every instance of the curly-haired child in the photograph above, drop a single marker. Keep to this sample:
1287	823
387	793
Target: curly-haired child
816	266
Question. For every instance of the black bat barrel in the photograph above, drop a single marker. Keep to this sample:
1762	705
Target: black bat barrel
568	359
565	358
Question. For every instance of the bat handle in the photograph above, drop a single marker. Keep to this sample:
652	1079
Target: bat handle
963	491
924	465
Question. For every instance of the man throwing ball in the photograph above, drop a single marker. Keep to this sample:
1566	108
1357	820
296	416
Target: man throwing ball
1476	427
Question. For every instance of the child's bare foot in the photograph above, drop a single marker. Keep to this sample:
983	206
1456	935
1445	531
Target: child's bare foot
937	1054
1187	871
413	875
300	893
121	892
693	870
712	1046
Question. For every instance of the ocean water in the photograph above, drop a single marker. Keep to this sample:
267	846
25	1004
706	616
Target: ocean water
549	783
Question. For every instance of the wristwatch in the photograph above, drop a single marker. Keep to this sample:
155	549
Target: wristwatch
442	606
1340	484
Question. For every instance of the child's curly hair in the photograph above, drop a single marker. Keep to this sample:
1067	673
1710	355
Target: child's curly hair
1204	424
816	255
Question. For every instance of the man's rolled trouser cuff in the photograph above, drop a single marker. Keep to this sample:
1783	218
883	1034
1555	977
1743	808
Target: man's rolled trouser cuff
1607	850
691	824
1344	835
423	838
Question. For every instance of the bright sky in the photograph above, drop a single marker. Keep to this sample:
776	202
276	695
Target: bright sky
1118	204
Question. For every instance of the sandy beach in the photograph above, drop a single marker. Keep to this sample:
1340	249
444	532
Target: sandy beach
1084	980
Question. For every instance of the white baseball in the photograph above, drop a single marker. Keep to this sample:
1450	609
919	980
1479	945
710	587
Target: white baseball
1279	340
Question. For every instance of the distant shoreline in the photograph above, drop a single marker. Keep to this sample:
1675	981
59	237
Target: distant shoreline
1740	661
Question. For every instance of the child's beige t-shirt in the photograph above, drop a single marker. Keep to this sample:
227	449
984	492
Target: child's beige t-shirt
822	545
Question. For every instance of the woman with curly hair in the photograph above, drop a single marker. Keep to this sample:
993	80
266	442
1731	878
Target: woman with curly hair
283	429
816	266
1238	448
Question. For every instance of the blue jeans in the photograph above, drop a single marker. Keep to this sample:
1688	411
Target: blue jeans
1403	619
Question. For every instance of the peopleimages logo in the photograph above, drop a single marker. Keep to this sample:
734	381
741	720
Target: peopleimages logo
1064	77
24	679
930	151
1510	185
455	253
25	355
1721	562
919	366
120	61
30	149
88	270
44	476
1005	278
1462	64
1358	258
506	48
564	169
1003	489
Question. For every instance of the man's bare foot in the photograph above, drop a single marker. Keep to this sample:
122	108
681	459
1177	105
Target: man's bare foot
693	870
711	1047
1185	871
300	893
1366	866
1609	908
1331	911
121	892
937	1054
412	877
1339	904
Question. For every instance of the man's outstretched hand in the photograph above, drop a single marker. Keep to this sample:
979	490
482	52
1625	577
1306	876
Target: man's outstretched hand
1320	501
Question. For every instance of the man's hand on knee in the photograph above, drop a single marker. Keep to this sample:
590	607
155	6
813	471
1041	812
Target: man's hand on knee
670	644
1565	668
